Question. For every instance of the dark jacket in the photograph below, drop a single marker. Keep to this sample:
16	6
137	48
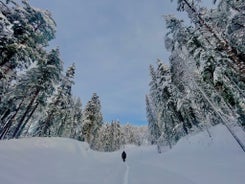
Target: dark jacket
124	155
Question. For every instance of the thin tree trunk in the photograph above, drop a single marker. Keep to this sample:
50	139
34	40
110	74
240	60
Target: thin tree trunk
5	114
26	112
8	124
24	124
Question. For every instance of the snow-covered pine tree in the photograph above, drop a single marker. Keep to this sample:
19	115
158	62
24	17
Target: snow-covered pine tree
176	39
170	120
136	135
46	75
26	30
105	138
92	120
155	96
67	122
117	137
128	132
233	29
59	112
200	91
30	30
153	128
6	34
235	58
32	90
29	75
211	62
76	128
110	137
222	80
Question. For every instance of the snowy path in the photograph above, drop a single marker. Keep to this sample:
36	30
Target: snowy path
125	179
194	160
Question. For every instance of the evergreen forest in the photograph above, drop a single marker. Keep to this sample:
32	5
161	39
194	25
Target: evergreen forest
202	84
36	91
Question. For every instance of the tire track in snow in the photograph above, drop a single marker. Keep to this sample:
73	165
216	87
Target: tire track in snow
125	179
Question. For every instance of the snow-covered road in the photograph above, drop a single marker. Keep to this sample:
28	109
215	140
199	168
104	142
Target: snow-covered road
194	160
125	179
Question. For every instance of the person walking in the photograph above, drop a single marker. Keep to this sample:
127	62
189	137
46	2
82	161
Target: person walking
124	155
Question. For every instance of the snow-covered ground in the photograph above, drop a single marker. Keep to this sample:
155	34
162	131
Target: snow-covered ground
194	160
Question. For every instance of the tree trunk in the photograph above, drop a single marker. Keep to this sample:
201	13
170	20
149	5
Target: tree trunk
8	124
24	124
26	112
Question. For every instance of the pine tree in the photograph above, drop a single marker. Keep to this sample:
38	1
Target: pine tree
206	86
92	120
235	58
26	31
47	75
105	138
35	97
76	128
136	135
32	29
33	89
60	109
153	128
116	135
199	89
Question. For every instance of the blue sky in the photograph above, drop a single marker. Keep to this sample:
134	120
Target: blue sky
112	43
